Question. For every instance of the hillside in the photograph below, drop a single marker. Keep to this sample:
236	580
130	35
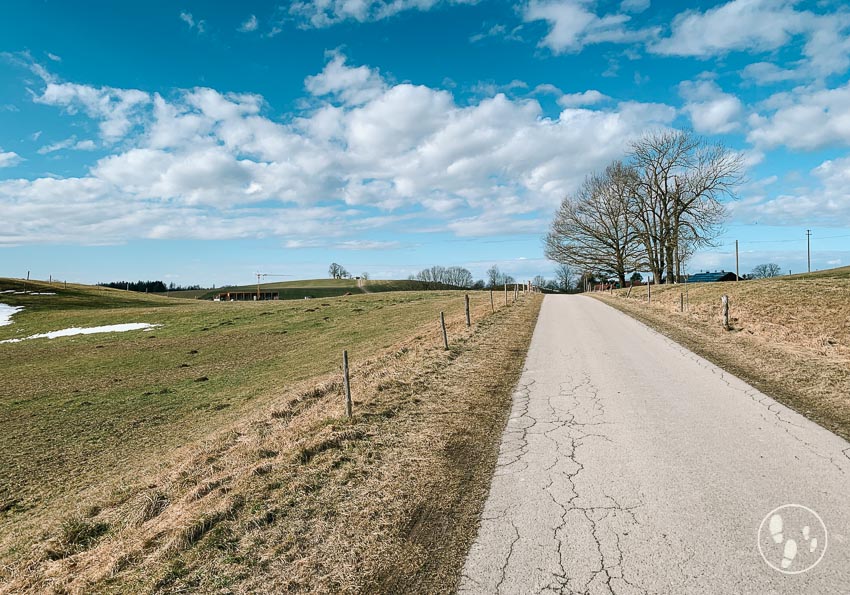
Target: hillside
790	335
314	288
212	451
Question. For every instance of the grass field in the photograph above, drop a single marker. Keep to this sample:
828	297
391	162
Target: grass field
790	336
211	452
314	288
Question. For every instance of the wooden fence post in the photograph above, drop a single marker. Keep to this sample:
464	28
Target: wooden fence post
468	319
443	325
649	293
492	305
506	294
681	302
724	303
346	384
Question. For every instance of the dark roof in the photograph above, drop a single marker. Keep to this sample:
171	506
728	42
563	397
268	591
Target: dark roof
711	277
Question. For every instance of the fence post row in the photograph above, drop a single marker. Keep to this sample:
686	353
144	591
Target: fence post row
346	384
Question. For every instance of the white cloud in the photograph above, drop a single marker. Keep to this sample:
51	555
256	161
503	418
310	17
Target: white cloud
634	5
763	26
9	158
367	245
586	98
573	25
117	109
68	143
186	17
54	57
711	110
249	25
826	202
351	85
323	13
209	164
805	118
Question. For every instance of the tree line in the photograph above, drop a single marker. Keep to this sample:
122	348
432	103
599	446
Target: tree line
651	211
149	286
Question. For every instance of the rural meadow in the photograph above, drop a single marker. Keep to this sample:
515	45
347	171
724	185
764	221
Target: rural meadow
425	296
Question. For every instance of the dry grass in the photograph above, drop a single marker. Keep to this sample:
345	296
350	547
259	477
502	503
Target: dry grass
790	337
291	496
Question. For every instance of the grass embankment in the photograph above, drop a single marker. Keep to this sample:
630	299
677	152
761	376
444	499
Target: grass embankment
212	453
790	336
314	288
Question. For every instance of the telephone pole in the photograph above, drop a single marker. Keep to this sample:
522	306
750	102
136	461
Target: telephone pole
809	247
737	276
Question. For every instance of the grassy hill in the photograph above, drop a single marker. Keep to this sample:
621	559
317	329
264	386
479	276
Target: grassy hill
790	335
188	457
314	288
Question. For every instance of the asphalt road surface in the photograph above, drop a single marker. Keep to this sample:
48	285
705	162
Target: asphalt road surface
631	465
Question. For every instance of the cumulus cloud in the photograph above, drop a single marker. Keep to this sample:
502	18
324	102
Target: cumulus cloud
763	26
590	97
363	154
710	109
9	158
573	25
805	118
116	109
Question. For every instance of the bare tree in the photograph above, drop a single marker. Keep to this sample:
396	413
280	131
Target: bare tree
364	276
681	181
539	281
594	229
564	277
765	271
493	276
336	271
458	276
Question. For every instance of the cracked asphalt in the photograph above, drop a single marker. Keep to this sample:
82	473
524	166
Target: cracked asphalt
631	465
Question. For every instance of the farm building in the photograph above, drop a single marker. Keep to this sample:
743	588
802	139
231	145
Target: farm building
710	277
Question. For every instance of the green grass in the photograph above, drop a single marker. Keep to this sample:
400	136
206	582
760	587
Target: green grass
837	273
81	414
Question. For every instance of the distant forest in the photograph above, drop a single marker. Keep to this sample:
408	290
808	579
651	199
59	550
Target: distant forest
149	286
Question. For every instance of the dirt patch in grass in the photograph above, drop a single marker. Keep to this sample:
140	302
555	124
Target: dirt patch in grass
293	497
790	337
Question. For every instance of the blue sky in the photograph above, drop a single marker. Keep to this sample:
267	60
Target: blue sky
200	142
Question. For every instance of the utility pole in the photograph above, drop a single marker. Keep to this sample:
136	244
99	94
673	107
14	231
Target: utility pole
809	247
737	276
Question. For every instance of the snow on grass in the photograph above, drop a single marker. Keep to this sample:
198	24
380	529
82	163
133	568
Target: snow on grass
67	332
6	313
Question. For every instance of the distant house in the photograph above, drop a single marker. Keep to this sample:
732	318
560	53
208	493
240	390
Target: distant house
711	277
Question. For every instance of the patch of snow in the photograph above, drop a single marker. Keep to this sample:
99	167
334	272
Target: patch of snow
67	332
42	293
6	313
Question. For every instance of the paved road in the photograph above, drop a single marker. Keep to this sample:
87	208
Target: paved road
630	465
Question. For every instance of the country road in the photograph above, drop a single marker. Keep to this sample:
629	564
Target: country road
631	465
